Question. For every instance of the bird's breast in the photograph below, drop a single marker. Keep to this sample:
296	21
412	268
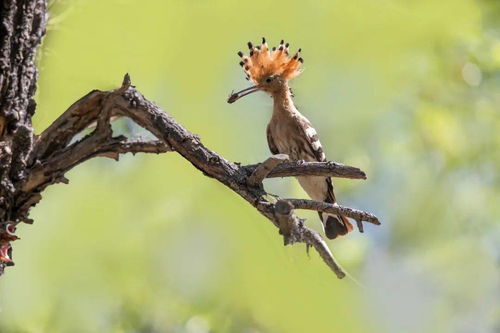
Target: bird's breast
289	139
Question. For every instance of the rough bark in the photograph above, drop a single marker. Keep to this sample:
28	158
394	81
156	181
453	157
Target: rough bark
22	26
29	163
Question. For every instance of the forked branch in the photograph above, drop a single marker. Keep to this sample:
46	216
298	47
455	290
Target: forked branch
55	153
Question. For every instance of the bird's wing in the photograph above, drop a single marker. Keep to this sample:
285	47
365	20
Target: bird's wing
331	196
314	146
335	225
270	142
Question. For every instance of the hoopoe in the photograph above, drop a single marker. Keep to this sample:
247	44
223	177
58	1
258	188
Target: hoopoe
289	132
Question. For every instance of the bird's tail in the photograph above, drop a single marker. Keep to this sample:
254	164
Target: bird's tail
335	225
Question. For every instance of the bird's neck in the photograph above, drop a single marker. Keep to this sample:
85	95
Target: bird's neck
282	102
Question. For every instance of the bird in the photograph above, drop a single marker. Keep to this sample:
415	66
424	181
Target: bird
289	132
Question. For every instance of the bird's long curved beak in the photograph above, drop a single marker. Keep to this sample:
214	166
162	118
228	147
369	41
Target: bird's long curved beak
237	95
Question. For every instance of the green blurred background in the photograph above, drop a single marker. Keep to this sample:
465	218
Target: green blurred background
406	90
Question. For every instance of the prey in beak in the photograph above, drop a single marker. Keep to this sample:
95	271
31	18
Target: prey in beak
237	95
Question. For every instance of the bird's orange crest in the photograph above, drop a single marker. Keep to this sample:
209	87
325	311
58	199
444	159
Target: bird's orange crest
263	62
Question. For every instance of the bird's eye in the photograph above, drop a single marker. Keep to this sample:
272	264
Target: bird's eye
268	80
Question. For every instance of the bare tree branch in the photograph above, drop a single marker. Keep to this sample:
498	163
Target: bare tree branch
335	209
328	169
29	163
50	167
54	155
127	101
293	230
312	238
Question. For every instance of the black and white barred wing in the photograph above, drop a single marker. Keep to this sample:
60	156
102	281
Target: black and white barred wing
321	188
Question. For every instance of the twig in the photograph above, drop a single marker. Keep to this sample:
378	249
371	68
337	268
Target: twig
313	239
358	215
293	230
284	215
266	167
113	149
359	224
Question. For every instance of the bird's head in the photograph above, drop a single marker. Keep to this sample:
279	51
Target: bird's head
269	69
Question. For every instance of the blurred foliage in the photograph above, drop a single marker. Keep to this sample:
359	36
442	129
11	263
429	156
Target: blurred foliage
407	90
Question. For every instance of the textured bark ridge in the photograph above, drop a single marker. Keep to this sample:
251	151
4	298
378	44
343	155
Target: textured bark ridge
29	163
22	26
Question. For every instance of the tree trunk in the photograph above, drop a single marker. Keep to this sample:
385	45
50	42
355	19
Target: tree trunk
21	30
